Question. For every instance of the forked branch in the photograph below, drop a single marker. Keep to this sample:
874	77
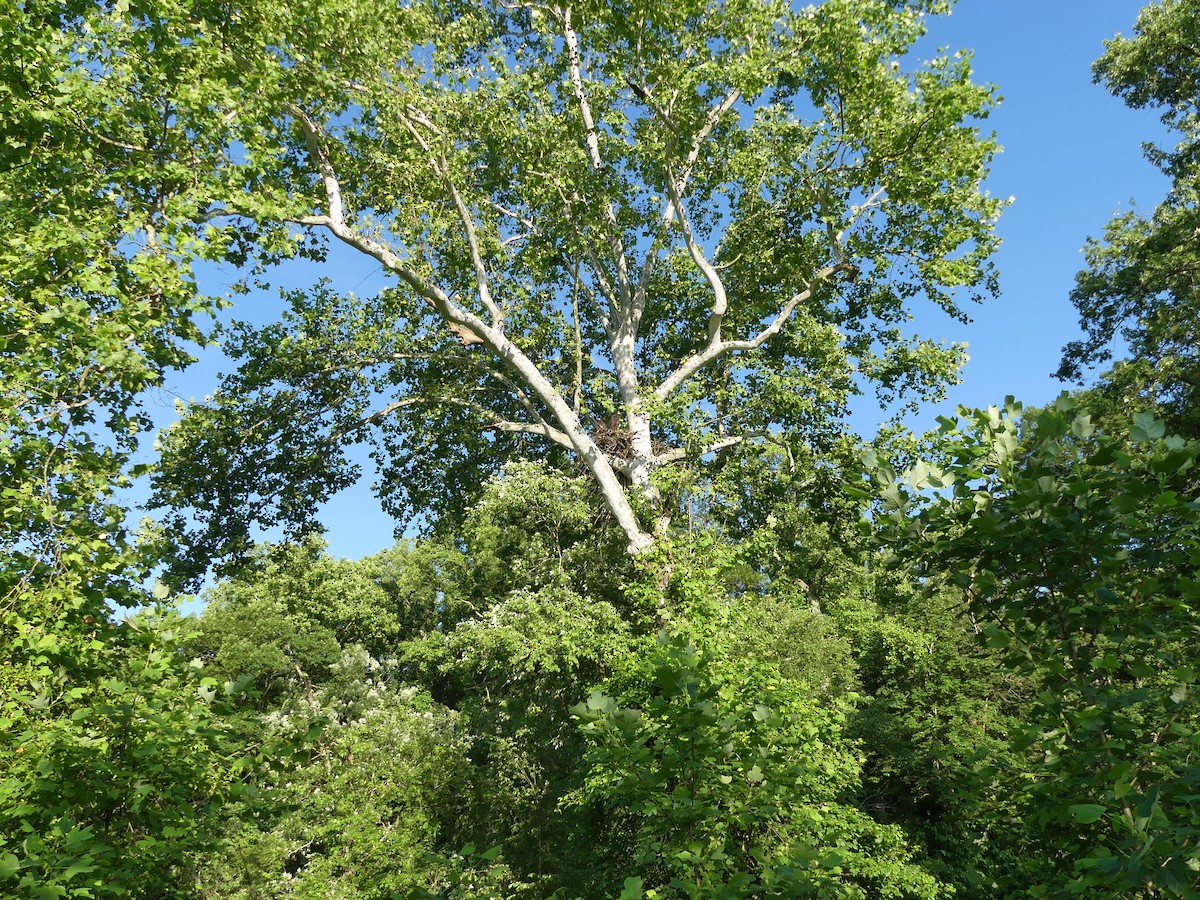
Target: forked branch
714	350
461	323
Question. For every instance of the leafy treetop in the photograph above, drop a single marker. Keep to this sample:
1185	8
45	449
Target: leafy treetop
631	234
1140	283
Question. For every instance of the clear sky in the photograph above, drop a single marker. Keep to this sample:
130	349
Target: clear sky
1072	156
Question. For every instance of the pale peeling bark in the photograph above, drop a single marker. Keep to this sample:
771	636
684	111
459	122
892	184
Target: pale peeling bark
717	348
621	306
619	302
629	302
471	329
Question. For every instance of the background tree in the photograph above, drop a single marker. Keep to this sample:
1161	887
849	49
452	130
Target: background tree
869	729
455	730
734	781
1076	551
632	235
110	743
1140	284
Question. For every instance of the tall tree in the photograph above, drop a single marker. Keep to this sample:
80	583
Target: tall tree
1140	283
633	234
108	742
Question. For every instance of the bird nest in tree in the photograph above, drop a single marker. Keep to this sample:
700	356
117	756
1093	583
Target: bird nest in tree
616	441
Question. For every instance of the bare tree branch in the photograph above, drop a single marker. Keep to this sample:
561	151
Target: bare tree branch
546	431
577	398
463	324
512	387
714	350
592	139
679	453
481	276
382	413
601	311
681	179
720	299
499	423
441	166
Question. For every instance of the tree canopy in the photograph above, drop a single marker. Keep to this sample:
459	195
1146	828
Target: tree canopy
631	235
110	743
640	258
1140	283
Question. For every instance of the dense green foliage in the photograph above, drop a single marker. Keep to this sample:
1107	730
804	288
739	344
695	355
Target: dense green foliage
682	740
972	674
110	756
1140	283
1077	553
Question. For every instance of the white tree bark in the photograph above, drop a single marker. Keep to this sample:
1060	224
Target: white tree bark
471	329
619	303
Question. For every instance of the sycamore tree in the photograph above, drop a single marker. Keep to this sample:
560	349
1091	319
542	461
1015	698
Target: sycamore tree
631	235
1140	283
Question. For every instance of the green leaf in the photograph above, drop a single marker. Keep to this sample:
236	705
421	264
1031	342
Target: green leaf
598	701
1146	428
632	889
491	855
1086	813
77	869
997	638
1082	427
9	865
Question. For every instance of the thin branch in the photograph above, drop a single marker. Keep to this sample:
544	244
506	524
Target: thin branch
481	276
216	213
499	423
513	388
716	349
465	326
724	105
592	140
602	312
112	142
515	216
720	300
441	166
718	110
546	431
576	400
683	452
381	413
607	311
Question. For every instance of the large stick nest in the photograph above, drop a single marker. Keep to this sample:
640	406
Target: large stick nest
616	441
613	439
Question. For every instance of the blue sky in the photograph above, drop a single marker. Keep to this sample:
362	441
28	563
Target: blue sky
1072	156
